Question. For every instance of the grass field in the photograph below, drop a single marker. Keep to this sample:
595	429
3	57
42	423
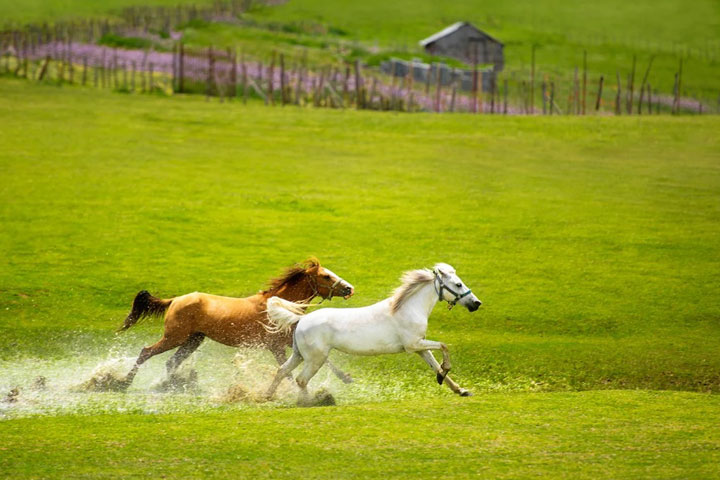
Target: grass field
561	435
593	243
30	11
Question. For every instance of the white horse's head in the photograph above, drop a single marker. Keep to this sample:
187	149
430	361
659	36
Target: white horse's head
452	289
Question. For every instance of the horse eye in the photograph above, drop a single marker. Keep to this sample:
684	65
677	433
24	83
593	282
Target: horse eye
458	284
326	276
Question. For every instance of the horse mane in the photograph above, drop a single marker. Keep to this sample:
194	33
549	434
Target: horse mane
291	275
412	281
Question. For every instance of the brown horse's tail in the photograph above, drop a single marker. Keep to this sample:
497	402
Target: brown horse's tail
145	305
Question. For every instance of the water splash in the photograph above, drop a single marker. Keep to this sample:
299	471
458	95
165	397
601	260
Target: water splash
213	378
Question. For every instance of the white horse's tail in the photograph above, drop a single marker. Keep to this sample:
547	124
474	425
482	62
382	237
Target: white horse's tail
283	314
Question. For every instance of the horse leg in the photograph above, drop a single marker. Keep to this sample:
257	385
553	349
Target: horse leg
430	360
185	350
345	377
284	371
146	353
278	352
423	344
312	365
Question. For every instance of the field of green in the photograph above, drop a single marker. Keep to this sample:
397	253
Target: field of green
593	242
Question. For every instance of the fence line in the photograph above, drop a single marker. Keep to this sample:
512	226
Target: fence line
59	52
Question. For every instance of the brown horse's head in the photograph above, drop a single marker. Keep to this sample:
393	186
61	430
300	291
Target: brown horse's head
325	282
318	280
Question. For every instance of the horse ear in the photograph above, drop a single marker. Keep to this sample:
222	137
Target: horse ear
311	264
442	268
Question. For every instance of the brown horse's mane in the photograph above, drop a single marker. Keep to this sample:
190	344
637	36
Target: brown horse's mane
291	275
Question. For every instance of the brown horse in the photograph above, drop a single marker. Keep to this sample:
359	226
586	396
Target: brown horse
231	321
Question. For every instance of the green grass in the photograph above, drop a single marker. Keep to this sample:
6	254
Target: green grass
593	243
588	435
30	11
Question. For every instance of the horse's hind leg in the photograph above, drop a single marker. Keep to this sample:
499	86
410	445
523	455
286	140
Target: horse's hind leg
185	350
279	352
312	365
284	371
430	360
146	353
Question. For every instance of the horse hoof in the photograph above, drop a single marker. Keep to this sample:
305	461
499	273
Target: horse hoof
441	378
466	393
347	379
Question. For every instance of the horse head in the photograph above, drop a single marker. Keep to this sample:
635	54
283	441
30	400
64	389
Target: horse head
452	289
326	283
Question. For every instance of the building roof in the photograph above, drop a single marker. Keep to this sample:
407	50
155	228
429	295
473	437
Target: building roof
452	29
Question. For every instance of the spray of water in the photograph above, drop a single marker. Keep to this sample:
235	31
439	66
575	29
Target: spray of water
214	377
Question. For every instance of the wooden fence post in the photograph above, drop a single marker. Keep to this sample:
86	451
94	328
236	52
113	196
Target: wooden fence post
181	67
175	67
544	98
631	88
617	97
453	95
282	79
576	93
211	73
358	88
233	73
599	95
493	93
244	77
438	87
679	85
113	70
481	107
532	80
271	79
410	80
96	74
675	95
505	96
44	68
552	96
584	85
475	80
25	57
642	87
299	84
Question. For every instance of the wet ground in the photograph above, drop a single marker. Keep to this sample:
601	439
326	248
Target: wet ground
216	377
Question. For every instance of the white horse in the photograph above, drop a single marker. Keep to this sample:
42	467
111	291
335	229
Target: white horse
396	324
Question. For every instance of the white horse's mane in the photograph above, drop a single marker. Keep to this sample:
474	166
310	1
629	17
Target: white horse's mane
412	281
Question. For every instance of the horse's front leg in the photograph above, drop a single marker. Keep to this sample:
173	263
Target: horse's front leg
430	360
424	344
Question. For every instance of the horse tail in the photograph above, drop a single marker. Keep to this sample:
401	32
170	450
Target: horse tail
283	314
145	305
